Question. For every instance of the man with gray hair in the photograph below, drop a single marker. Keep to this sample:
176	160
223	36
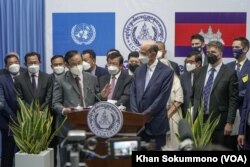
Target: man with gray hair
150	91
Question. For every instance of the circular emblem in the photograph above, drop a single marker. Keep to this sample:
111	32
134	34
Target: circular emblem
105	119
83	33
141	27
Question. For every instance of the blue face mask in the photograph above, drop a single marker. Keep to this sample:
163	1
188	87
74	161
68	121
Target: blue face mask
237	53
196	48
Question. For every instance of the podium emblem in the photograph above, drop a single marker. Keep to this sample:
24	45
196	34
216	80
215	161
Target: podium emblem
105	119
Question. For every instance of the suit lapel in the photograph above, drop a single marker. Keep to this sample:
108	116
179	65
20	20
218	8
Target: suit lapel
85	85
119	83
28	83
154	76
245	68
72	81
39	84
141	75
219	76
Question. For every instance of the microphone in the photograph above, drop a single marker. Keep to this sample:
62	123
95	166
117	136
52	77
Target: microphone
186	136
94	94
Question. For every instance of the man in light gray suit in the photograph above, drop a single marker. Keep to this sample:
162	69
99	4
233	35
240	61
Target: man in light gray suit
72	89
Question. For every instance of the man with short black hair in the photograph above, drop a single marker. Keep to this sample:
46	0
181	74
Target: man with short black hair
198	45
89	64
133	62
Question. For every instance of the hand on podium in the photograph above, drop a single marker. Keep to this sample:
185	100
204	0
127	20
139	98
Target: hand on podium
147	117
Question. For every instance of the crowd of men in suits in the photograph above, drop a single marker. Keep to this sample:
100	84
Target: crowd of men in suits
144	88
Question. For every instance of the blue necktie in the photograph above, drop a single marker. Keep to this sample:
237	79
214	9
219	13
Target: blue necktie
238	69
207	90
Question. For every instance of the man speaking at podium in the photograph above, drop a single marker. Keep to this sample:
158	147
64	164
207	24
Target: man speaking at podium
150	91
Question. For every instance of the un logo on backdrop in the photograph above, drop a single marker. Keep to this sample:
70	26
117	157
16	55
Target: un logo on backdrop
141	27
83	33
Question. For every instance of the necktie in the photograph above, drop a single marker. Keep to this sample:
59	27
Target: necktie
112	88
238	69
80	89
207	90
33	81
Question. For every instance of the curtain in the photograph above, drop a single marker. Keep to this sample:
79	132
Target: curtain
22	28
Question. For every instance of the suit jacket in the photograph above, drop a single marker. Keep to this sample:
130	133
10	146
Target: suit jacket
99	71
245	113
122	87
224	94
187	90
25	91
152	101
67	94
245	70
175	67
8	100
5	71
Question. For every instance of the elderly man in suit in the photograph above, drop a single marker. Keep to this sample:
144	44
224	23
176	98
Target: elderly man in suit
150	91
215	88
192	62
89	64
34	84
118	80
9	106
71	89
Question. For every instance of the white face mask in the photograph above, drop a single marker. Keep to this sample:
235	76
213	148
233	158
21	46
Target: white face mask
76	70
33	68
190	67
143	58
58	70
159	55
113	70
86	66
14	68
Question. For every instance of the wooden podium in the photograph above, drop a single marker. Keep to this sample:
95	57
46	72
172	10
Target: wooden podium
132	123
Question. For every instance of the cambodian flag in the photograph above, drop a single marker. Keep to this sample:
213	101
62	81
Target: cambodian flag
212	26
80	31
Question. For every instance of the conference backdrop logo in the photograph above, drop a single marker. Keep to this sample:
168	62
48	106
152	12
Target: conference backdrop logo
223	27
83	34
81	31
143	26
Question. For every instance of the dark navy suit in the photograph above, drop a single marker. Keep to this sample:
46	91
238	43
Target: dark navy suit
152	101
8	110
99	71
244	72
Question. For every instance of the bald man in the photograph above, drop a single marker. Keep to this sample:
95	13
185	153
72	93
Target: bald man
150	91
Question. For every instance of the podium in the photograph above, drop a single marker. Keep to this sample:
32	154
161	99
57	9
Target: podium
132	123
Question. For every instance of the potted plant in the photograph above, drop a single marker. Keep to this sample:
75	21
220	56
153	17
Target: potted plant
32	133
202	130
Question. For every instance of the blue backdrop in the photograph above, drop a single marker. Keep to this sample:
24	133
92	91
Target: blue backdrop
21	28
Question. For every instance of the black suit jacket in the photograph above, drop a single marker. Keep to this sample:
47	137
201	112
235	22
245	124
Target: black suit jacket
122	87
187	90
224	94
99	71
175	67
43	92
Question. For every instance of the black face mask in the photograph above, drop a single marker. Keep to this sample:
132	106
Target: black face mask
211	58
132	67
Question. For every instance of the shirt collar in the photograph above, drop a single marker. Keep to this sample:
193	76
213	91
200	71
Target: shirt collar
36	74
217	68
152	66
117	75
242	62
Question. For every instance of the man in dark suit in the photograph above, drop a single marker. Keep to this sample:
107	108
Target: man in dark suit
89	64
72	89
5	70
244	130
198	45
193	61
34	84
9	106
150	91
161	55
215	88
118	80
240	47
